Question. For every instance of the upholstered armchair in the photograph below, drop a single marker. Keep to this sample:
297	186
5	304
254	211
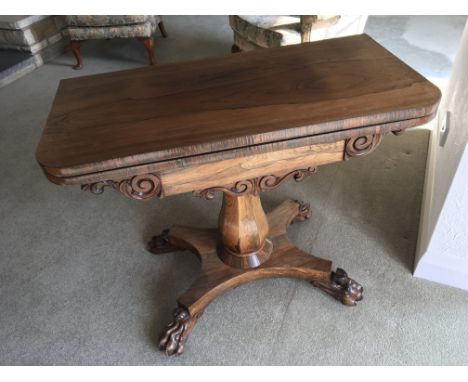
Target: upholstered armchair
256	32
81	28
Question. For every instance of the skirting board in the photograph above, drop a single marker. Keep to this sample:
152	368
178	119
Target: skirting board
442	253
448	274
445	258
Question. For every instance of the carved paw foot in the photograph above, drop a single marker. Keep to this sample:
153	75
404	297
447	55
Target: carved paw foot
160	243
304	212
174	337
342	287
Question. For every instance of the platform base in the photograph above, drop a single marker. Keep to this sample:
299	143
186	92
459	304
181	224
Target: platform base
216	277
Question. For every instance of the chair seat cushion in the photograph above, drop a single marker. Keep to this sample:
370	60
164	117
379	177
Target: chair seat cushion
271	22
104	20
100	27
124	31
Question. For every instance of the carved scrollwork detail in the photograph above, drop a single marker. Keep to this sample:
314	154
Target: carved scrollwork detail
361	145
255	185
242	187
140	187
98	187
207	193
247	186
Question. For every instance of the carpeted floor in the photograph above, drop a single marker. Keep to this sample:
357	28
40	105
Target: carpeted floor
78	287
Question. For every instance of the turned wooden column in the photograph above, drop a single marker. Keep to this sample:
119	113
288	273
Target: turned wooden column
243	228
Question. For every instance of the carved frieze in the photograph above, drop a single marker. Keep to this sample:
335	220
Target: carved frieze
361	145
256	185
139	187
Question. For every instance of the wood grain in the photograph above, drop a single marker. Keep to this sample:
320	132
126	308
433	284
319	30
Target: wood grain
118	174
239	124
186	179
243	228
148	115
216	277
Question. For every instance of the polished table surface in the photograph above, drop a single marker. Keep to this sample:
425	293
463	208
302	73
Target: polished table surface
239	124
172	111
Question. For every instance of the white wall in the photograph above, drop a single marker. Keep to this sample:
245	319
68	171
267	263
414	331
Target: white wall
442	253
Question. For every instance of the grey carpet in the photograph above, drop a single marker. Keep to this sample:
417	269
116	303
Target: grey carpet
78	287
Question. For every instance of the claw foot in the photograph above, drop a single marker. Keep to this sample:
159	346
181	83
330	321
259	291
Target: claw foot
304	212
160	243
342	287
174	337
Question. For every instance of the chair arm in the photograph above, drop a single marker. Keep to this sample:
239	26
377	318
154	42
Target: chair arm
316	22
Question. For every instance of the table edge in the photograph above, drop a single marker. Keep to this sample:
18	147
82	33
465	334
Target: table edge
117	173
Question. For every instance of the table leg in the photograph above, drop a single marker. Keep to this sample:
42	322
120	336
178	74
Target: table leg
244	230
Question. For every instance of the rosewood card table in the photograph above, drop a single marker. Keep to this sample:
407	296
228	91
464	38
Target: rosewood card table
239	124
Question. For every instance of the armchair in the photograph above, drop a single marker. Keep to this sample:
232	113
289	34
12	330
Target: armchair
81	28
256	32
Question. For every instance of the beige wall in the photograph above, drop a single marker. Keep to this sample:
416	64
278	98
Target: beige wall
442	253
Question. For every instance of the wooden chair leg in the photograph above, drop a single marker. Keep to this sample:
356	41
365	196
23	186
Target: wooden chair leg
75	47
162	29
235	49
148	42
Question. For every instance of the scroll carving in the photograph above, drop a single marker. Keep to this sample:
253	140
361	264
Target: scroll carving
139	187
98	187
361	145
256	185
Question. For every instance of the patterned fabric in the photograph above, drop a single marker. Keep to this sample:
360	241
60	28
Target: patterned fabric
347	26
255	29
254	32
103	27
103	21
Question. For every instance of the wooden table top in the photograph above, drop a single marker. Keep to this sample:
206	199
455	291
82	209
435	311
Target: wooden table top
134	117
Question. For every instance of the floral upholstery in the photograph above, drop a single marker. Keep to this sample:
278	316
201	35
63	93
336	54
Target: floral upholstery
266	31
254	32
84	27
104	20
